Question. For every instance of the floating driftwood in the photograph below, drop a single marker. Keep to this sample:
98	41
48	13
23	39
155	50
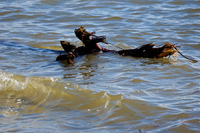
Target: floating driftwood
145	51
90	41
148	51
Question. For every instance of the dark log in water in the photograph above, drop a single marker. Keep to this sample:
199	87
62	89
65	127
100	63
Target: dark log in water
145	51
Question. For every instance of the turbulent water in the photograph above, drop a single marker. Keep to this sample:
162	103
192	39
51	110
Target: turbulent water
100	92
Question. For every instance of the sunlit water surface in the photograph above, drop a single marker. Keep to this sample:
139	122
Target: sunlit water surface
100	92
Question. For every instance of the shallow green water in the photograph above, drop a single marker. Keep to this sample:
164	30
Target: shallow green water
101	92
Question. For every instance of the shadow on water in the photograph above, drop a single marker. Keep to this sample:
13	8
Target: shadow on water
21	47
27	60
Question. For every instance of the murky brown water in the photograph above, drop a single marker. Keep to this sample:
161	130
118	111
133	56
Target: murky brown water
101	92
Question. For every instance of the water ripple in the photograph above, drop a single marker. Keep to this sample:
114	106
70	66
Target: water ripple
101	91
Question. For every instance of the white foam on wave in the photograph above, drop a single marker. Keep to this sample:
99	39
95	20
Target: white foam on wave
12	81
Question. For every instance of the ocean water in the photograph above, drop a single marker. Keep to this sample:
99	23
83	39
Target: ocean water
100	92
